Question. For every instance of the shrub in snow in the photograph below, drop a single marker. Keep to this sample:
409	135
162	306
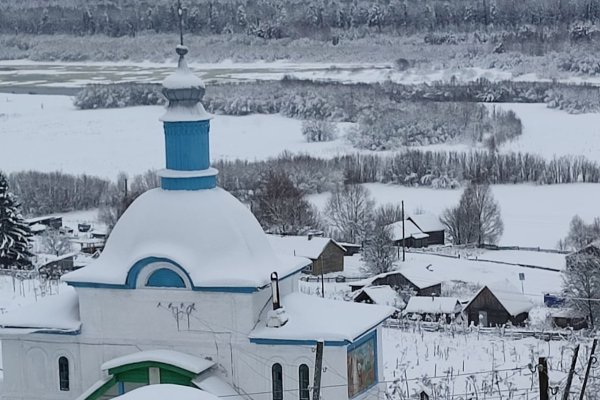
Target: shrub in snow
118	95
319	131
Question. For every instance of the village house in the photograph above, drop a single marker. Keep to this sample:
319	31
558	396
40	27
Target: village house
498	304
188	291
399	282
383	295
433	308
325	254
49	221
592	250
431	225
406	231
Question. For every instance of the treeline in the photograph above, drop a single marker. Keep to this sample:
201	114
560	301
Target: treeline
50	192
275	19
437	169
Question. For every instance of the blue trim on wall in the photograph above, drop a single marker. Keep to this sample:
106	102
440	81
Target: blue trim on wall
187	145
195	183
294	342
134	271
165	277
120	388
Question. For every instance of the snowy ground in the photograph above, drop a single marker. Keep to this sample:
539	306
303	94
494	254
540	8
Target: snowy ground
533	215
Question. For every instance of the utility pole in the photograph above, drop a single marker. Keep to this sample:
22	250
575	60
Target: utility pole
403	238
322	281
589	366
543	378
565	395
318	369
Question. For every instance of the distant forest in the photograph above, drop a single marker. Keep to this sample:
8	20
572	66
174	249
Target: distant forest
496	20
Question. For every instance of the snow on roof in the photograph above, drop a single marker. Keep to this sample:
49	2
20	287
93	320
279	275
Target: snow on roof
383	295
432	305
410	230
427	222
167	391
35	228
315	318
188	362
182	78
210	382
416	279
52	313
509	296
209	233
300	246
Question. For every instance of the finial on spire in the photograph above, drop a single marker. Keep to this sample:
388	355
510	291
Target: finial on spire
180	15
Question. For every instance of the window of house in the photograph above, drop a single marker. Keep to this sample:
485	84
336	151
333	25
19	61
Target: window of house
303	382
63	374
277	377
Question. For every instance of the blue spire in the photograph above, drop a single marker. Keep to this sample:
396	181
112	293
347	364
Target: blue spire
186	126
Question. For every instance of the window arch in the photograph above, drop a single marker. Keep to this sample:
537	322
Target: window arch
165	277
63	374
303	382
277	378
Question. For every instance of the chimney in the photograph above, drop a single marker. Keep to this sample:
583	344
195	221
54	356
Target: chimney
275	291
276	317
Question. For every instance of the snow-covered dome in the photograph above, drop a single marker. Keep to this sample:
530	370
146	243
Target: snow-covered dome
213	237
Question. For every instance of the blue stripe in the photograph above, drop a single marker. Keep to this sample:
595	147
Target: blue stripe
187	145
294	342
195	183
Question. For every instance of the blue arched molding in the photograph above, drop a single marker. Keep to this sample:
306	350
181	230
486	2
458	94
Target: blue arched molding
134	271
186	144
165	277
195	183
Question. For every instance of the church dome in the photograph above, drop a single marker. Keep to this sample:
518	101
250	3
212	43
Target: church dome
209	234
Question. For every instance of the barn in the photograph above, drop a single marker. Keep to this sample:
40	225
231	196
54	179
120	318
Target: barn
592	249
498	304
325	253
431	225
383	295
409	233
400	282
433	308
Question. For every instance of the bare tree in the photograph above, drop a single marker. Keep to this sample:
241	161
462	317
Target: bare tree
476	218
379	252
280	206
53	242
349	212
581	285
581	234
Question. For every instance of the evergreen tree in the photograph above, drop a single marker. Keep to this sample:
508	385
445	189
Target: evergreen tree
14	232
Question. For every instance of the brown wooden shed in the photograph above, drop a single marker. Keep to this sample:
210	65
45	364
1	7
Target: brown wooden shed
325	253
498	304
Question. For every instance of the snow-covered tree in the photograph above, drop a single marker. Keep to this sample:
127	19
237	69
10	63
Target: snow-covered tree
582	234
581	285
53	242
14	232
476	219
349	212
318	131
379	251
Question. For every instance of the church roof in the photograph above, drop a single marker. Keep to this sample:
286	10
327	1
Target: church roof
213	237
188	362
312	318
58	313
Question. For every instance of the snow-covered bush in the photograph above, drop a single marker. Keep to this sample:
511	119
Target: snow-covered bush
118	95
318	131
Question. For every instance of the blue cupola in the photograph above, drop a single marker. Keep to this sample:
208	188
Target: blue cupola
186	126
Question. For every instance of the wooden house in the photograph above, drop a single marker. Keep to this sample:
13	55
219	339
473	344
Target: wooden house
431	225
54	267
409	233
399	282
498	304
383	295
325	253
592	250
39	224
567	318
433	308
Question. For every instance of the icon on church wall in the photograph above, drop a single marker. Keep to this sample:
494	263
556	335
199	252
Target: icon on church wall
361	367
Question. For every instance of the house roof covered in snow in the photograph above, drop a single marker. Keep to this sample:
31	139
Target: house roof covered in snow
188	362
433	305
511	298
312	318
302	246
383	295
410	230
167	391
213	237
427	222
415	279
58	313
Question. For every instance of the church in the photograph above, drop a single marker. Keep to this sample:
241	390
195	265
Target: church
189	292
